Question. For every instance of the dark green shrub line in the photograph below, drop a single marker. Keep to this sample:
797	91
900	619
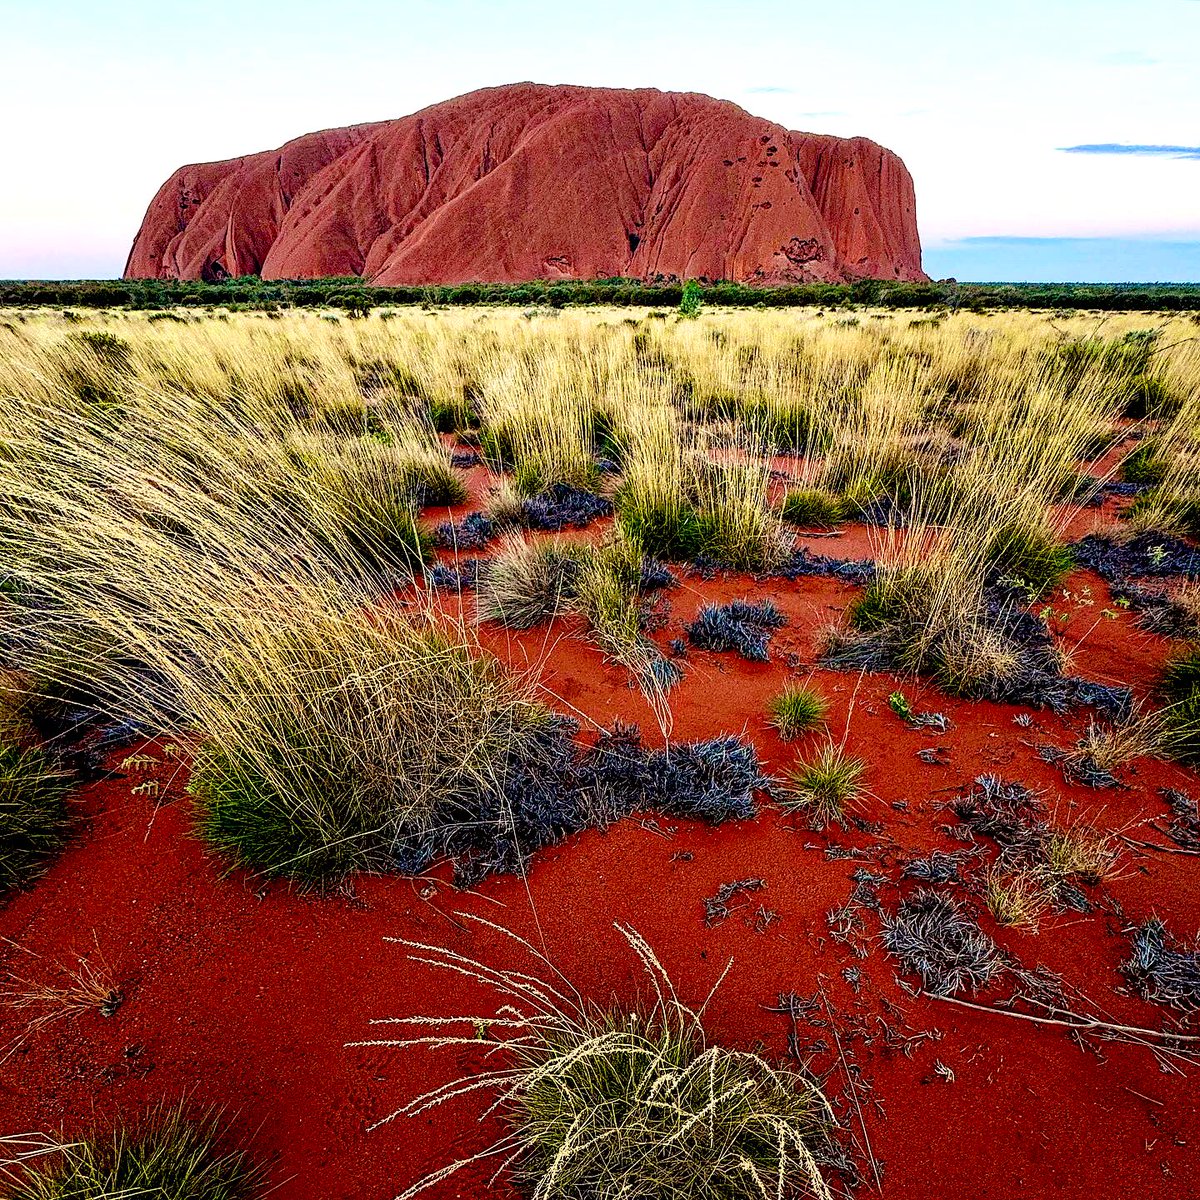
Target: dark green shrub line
356	298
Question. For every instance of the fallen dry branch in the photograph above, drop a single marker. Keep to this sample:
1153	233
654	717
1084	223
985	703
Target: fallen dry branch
1156	846
1072	1020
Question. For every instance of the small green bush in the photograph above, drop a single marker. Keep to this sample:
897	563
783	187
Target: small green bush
1030	555
33	815
796	710
692	300
823	786
1144	466
811	508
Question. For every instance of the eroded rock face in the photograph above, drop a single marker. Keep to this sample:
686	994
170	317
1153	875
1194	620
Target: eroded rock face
531	181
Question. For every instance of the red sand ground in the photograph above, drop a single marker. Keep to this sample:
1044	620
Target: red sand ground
244	995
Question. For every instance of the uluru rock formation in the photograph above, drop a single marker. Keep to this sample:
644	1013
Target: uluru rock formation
531	181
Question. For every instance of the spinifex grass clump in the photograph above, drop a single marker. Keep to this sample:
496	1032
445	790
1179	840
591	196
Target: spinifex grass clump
537	424
921	617
1014	898
681	503
822	787
33	815
164	1156
796	710
739	626
365	496
609	594
529	582
934	938
1106	746
338	766
938	619
362	492
611	1103
1124	365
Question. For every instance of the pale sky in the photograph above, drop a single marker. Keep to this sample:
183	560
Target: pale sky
103	99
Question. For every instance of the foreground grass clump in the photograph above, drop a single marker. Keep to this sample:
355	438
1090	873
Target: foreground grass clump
612	1103
33	816
824	786
165	1156
1104	748
796	710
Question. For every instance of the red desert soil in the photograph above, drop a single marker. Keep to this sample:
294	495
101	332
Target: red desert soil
244	995
530	181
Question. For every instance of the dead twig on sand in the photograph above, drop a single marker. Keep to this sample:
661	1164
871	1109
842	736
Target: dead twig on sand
853	1089
1073	1020
1155	846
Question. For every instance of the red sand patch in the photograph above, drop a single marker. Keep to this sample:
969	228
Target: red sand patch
244	995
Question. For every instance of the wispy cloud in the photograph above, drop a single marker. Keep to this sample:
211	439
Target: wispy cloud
771	91
1144	151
